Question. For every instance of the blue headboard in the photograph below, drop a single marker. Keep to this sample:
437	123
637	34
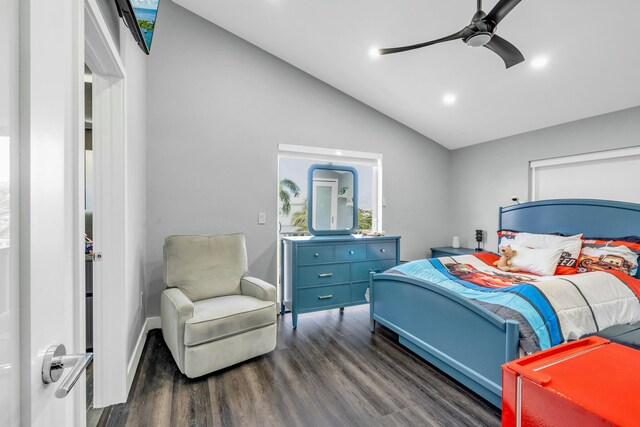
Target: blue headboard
593	218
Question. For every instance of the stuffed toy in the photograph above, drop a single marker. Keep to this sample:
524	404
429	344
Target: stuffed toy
504	263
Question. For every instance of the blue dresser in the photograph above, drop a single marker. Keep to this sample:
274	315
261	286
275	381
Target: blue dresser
324	272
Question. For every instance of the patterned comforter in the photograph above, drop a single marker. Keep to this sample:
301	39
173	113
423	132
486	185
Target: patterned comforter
551	309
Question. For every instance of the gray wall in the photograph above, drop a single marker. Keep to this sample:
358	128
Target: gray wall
218	106
486	176
135	62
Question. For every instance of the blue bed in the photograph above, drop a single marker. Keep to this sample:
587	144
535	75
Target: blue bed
463	339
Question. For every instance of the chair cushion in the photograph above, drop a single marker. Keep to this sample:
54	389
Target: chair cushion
223	317
205	266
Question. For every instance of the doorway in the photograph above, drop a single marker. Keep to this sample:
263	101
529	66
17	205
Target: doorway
93	414
42	264
107	203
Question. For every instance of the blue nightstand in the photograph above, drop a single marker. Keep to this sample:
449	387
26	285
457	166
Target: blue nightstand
449	251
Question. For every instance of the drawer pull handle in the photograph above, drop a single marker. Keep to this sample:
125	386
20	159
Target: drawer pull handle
325	296
377	270
383	250
325	274
351	252
316	255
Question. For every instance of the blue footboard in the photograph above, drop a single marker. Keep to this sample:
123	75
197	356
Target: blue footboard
464	340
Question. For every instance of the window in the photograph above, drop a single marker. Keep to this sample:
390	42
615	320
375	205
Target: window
293	163
598	175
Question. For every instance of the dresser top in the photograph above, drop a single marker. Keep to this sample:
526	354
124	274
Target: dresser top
338	238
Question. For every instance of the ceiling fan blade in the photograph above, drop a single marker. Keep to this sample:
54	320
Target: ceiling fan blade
508	52
501	10
460	34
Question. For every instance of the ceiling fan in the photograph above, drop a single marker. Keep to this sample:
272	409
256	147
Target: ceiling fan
480	32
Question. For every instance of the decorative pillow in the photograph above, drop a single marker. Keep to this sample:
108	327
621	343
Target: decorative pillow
601	254
571	246
539	261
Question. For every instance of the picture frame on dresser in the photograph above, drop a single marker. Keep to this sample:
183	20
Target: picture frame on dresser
328	272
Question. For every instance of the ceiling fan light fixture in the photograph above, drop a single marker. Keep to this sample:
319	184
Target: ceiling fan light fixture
478	39
539	62
480	32
449	99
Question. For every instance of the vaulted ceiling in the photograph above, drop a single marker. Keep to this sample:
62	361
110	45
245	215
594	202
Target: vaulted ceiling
589	46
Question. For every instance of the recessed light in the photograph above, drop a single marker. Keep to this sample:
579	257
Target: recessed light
539	62
449	99
374	52
338	153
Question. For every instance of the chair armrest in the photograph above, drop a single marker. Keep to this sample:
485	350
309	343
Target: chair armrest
175	310
258	288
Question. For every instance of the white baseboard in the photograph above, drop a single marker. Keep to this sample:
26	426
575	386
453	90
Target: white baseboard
132	367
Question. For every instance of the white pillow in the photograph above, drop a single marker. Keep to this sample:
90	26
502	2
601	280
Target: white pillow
539	261
533	240
571	246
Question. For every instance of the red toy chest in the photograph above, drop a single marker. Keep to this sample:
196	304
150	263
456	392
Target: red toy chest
589	382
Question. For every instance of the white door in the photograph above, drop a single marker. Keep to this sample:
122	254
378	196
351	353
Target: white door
9	315
50	185
325	204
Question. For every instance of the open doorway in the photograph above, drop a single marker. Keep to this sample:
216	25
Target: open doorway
107	204
93	414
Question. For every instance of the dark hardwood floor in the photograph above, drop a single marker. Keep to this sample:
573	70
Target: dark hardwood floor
330	371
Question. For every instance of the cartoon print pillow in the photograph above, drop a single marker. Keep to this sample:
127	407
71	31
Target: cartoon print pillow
603	255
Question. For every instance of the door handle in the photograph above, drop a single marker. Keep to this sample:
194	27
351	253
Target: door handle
56	360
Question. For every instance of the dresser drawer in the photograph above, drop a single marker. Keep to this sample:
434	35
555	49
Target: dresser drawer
323	296
351	252
323	274
360	270
384	250
315	254
358	291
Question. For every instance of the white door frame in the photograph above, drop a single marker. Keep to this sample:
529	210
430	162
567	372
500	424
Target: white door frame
109	134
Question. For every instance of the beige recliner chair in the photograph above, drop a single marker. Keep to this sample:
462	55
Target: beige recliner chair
214	315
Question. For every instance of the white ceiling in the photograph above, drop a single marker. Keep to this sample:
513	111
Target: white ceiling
591	45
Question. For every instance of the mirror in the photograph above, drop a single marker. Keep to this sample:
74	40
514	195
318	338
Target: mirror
332	200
